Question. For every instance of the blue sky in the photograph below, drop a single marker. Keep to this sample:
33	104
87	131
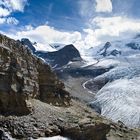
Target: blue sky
61	14
83	22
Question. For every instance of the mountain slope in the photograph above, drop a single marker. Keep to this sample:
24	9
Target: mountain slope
61	57
27	42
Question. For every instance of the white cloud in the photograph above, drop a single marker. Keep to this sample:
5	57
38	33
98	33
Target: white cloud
45	34
4	12
28	27
103	6
12	20
90	38
14	5
9	6
116	27
105	29
86	8
48	34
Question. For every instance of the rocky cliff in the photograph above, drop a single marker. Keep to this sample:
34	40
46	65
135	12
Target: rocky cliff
24	76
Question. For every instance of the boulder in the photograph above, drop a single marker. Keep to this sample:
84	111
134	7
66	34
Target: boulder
87	131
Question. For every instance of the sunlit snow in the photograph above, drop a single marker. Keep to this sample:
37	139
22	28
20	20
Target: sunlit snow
52	138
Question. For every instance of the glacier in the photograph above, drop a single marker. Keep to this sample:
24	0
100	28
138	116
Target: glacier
119	98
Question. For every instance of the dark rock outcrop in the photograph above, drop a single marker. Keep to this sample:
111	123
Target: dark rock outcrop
18	77
76	122
63	56
103	51
134	45
115	52
28	43
87	131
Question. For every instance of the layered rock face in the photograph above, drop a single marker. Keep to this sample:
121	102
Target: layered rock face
48	83
23	76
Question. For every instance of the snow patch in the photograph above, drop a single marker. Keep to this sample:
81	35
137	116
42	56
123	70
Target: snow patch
52	138
107	63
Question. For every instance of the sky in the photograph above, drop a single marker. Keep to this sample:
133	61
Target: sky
84	23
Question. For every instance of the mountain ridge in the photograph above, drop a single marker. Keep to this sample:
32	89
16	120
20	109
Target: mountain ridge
57	58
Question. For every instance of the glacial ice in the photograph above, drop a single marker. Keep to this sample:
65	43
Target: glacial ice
119	98
126	71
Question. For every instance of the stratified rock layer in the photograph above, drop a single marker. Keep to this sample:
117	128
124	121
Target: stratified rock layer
24	76
48	83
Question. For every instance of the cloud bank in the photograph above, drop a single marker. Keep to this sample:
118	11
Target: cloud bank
102	29
115	27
